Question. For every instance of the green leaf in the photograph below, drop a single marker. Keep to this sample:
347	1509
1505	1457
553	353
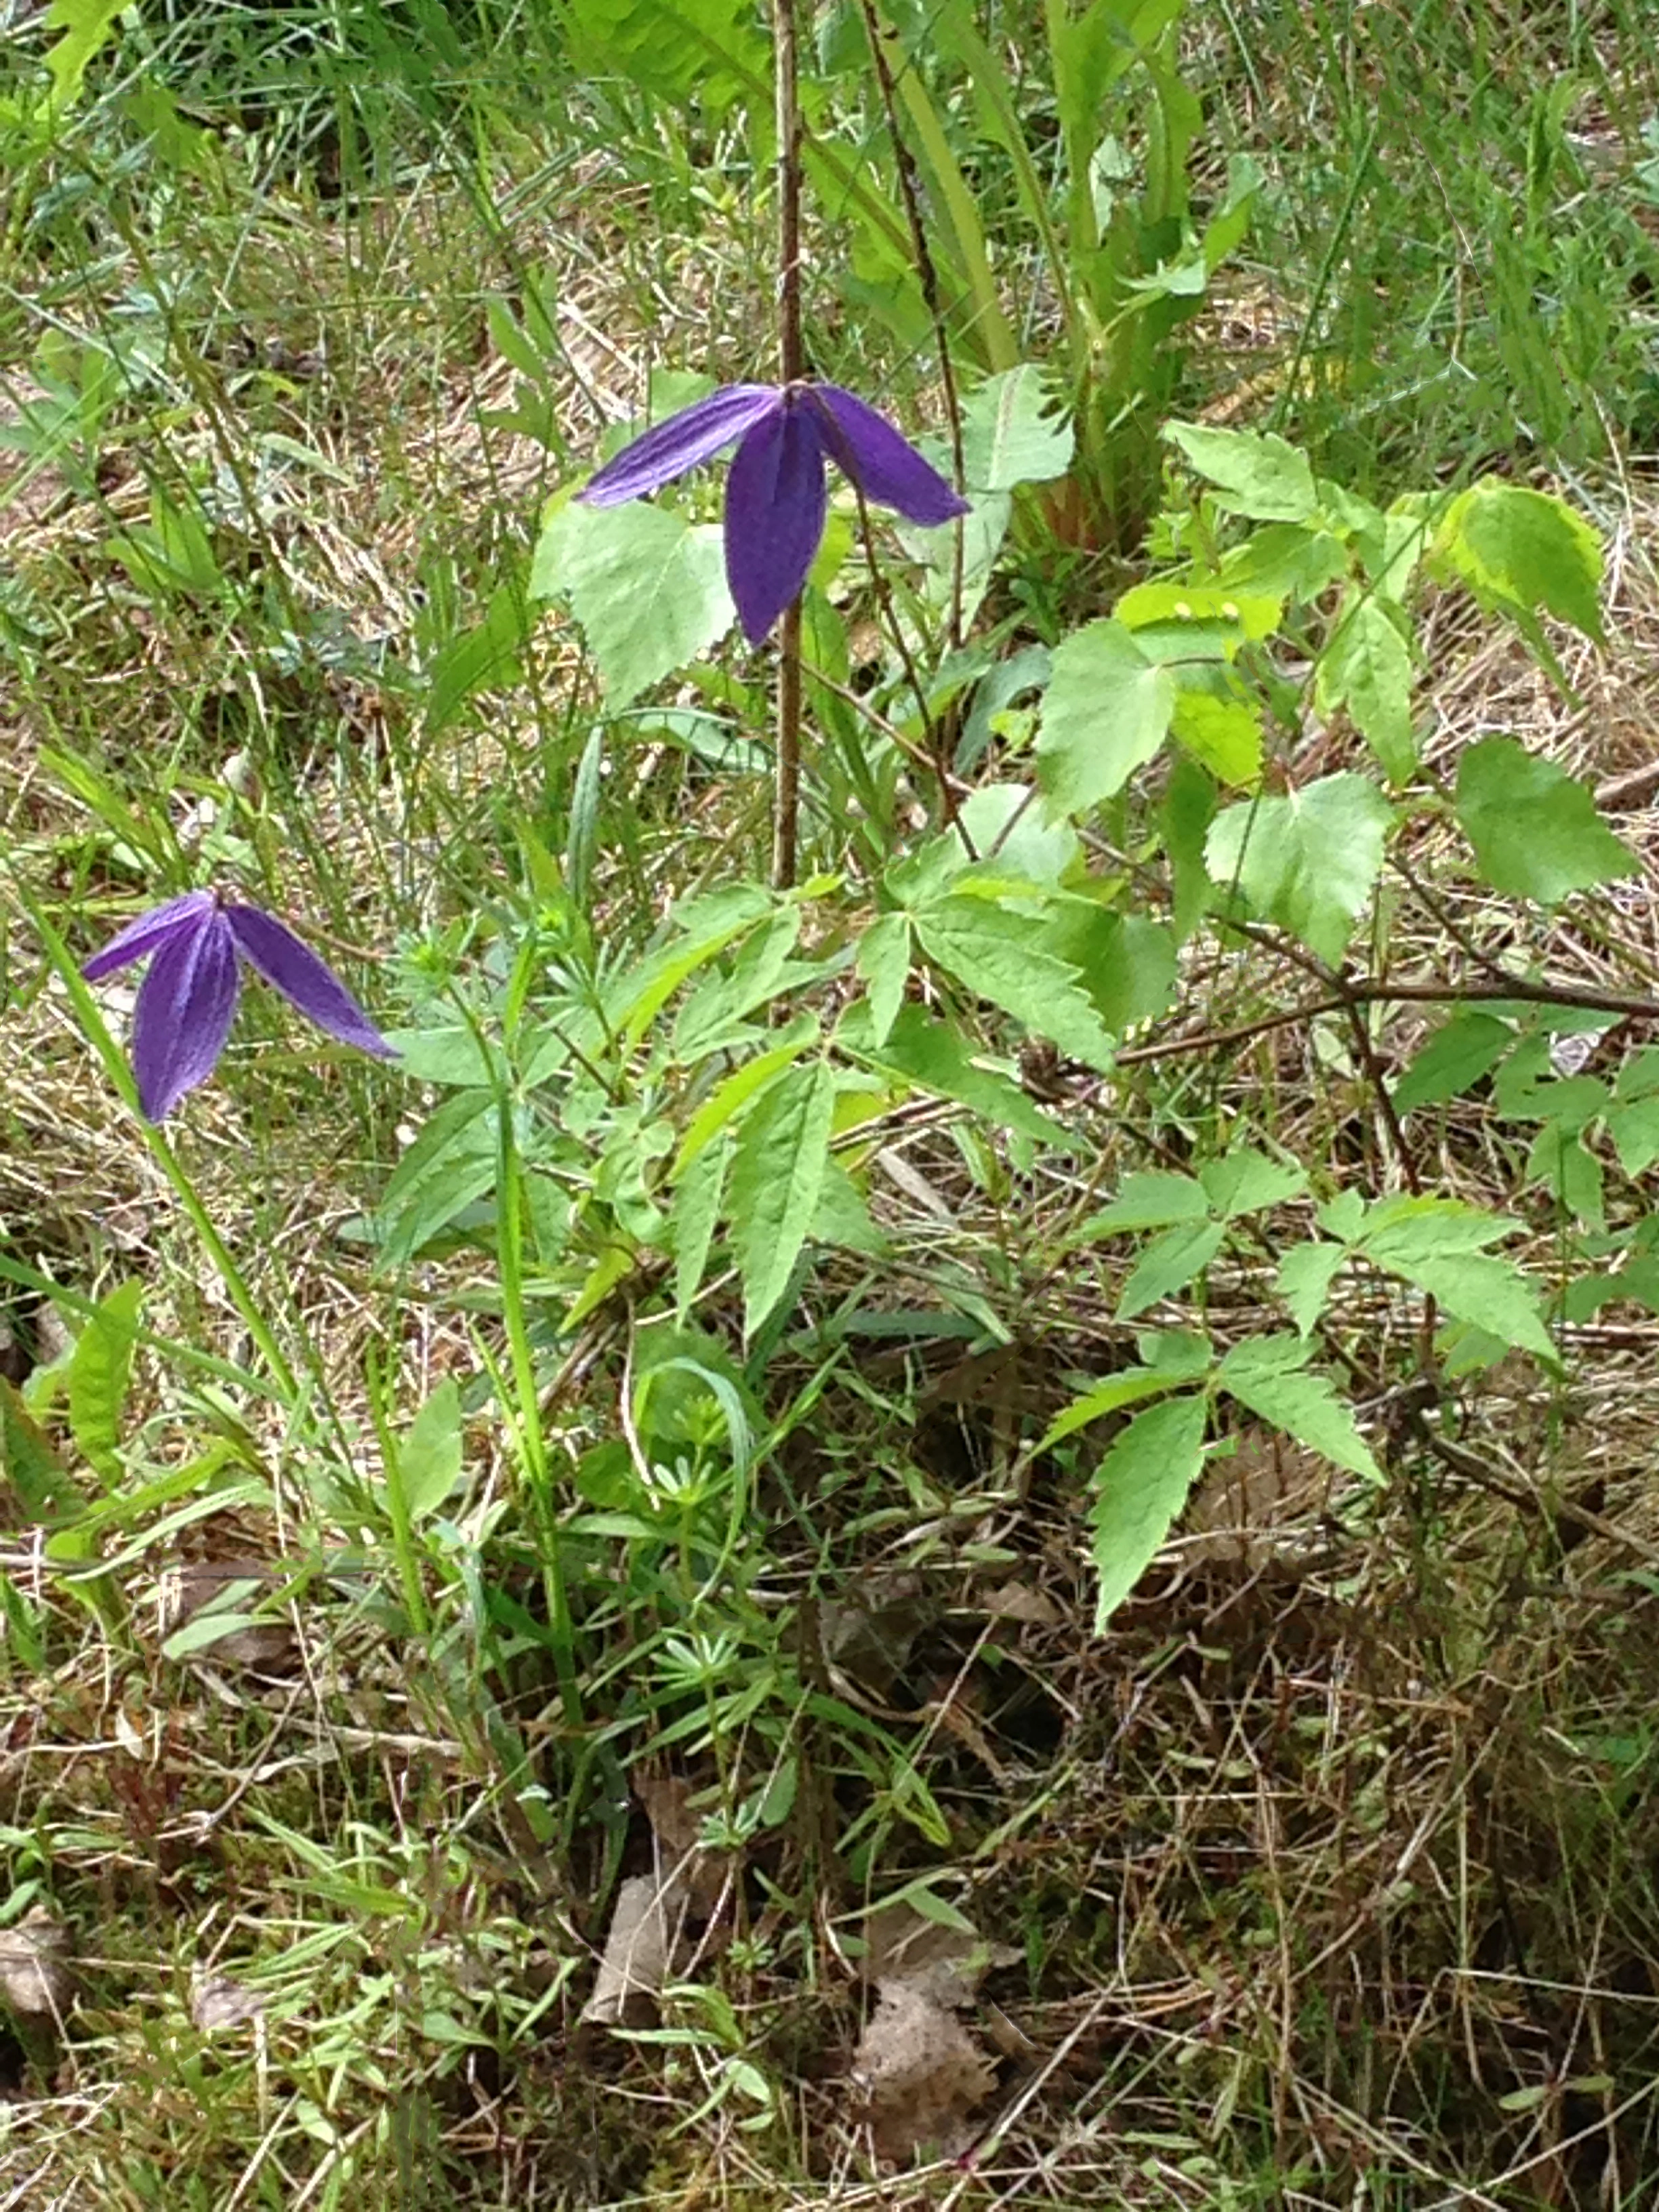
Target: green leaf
883	969
98	1376
1139	1488
1168	1263
1245	1180
1012	433
1151	1198
1400	1232
1366	667
1307	861
1457	1055
727	1099
1255	473
697	1200
929	1052
777	1174
1519	548
1560	1160
1635	1132
1303	1280
1184	819
450	1165
1266	1374
429	1456
1490	1292
675	50
1224	734
1110	1397
1182	620
85	24
1105	713
1000	955
1535	829
1436	1243
648	586
1125	962
29	1462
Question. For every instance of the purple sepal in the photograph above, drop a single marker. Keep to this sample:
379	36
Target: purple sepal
885	466
183	1012
776	504
695	433
291	967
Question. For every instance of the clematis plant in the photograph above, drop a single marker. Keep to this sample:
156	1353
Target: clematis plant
187	1000
776	498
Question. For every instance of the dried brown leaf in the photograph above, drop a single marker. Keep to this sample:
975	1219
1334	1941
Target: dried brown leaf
920	2073
35	1981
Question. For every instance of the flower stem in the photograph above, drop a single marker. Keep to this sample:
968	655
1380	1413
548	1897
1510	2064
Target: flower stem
792	366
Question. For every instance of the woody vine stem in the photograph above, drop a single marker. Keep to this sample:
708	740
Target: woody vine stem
792	366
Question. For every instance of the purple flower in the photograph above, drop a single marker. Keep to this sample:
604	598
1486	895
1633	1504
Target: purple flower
775	498
186	1000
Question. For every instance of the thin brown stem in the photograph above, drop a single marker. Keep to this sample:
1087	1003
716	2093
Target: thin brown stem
792	366
927	276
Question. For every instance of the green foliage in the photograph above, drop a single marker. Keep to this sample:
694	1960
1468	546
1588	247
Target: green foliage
1534	830
1140	1487
646	585
1308	862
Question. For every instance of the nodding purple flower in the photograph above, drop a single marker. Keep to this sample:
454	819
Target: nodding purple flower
775	498
186	1001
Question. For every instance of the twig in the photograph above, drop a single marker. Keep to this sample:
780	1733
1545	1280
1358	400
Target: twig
1426	995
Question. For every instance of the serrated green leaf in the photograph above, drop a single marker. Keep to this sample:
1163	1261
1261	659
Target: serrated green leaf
1139	1488
1255	473
777	1174
1005	830
1296	563
1303	1280
1126	963
1436	1243
98	1373
1234	617
727	1099
1404	1229
1168	1264
1366	667
450	1164
1105	712
1013	434
932	1055
1535	829
85	24
29	1461
1000	955
675	50
883	969
1519	548
1267	1375
648	586
1307	861
1455	1059
429	1456
1110	1397
1224	735
1151	1198
698	1197
1245	1180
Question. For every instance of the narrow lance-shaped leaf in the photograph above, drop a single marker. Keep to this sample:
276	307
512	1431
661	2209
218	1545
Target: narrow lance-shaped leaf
1140	1487
777	1173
